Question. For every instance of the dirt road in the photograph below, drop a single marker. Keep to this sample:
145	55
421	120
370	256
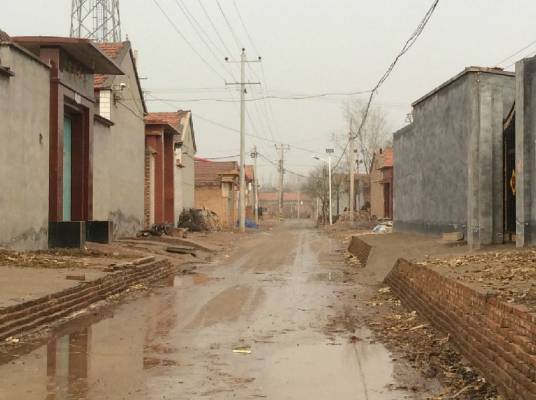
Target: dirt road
265	323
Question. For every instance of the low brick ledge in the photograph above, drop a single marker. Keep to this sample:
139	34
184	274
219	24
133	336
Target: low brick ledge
22	318
498	338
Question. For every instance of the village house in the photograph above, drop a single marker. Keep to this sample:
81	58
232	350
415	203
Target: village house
169	166
217	185
47	109
454	166
119	144
381	184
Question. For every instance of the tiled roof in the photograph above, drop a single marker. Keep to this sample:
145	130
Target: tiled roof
163	118
112	50
287	196
210	172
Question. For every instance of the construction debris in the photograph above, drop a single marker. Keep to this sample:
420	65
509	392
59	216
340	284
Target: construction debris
199	220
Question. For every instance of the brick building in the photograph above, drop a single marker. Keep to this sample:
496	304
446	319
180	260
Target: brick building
217	185
169	166
381	184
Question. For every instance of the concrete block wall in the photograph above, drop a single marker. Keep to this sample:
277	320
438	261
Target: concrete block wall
118	188
525	152
448	164
24	153
497	338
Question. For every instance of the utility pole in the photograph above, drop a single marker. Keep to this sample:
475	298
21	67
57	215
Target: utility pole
256	185
352	166
242	197
282	148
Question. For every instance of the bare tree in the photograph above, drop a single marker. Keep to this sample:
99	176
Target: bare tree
374	133
317	186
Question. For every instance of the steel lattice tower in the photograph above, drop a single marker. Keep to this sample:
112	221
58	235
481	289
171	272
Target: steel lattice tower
96	19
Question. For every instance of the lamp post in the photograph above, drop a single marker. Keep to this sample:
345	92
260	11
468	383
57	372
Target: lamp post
328	161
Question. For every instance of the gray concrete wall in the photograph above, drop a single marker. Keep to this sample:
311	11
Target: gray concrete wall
525	152
119	160
448	164
24	152
185	175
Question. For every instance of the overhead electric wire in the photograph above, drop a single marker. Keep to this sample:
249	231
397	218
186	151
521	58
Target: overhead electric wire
274	97
233	33
185	39
515	54
219	124
245	28
199	31
214	27
277	165
409	43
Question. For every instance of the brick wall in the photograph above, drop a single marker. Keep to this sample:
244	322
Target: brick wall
359	249
147	190
497	338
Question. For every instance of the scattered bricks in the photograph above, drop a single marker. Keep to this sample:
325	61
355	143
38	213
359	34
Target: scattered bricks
359	249
498	338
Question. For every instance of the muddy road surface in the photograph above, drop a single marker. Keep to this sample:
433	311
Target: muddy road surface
265	323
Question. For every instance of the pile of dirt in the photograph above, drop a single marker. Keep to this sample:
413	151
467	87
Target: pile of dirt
199	220
426	349
509	275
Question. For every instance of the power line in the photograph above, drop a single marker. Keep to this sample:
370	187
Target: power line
515	54
219	124
214	27
178	31
274	97
233	33
409	43
199	31
244	26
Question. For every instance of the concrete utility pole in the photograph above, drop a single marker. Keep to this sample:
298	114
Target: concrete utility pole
352	167
256	185
242	196
282	148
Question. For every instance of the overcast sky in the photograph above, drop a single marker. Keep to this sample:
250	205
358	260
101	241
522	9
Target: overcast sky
307	47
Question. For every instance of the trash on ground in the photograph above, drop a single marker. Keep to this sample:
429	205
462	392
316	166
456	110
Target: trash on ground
242	350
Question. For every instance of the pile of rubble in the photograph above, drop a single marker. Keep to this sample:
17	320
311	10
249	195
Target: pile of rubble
426	349
200	220
510	275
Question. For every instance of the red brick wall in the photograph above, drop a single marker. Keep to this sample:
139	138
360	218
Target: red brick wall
498	338
359	249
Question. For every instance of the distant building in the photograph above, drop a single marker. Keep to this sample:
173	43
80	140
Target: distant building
454	167
295	204
381	184
169	166
47	162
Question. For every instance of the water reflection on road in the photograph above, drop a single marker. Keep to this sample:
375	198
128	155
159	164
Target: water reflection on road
272	299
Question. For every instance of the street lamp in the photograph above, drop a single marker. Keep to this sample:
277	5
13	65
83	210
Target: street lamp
328	161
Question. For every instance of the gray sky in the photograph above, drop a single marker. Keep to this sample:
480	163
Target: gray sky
307	47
